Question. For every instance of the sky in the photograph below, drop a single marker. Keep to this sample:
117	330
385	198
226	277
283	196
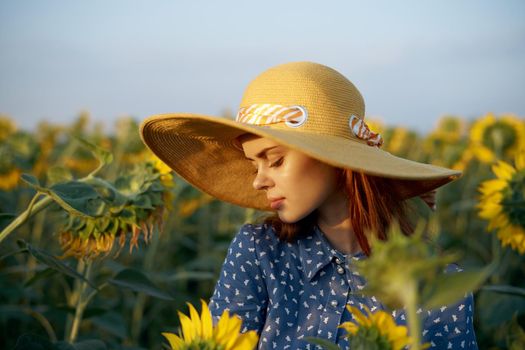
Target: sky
413	61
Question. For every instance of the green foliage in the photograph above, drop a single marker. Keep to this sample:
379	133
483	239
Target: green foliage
36	342
52	262
325	344
75	197
37	298
416	264
138	282
449	288
370	339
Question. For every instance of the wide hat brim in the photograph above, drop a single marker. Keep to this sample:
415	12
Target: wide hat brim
200	149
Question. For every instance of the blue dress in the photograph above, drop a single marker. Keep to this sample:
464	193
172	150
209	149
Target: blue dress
288	291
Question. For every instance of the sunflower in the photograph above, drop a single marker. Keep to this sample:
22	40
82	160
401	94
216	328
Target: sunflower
189	206
445	145
376	330
450	129
133	207
399	140
492	138
466	157
198	332
136	156
7	127
81	164
166	178
9	180
502	202
166	174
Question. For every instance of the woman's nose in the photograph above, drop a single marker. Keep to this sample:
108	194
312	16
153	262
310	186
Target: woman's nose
261	180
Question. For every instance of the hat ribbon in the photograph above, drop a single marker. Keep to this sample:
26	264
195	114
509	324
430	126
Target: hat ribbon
361	130
265	113
294	116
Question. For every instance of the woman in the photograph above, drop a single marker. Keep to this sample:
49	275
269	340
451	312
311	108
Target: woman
299	147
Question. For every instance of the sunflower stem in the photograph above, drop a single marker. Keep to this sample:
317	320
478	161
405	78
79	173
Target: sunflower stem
81	303
33	208
496	255
249	215
140	303
413	318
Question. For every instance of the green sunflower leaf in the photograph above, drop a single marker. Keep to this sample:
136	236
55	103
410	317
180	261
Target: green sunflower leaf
57	174
31	181
326	344
52	262
138	282
449	288
103	156
77	198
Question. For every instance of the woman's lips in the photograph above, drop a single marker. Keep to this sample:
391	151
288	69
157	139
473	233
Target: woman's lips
275	204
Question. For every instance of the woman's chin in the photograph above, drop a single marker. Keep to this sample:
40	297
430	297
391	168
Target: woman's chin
286	218
290	218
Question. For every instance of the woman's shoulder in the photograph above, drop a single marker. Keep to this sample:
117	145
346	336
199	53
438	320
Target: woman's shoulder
259	237
257	231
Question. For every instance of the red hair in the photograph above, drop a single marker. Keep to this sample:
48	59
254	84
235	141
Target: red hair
373	203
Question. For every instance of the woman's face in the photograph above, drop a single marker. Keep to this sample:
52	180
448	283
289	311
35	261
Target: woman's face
303	183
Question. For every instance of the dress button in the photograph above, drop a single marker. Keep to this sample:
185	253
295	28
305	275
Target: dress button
340	270
337	260
334	303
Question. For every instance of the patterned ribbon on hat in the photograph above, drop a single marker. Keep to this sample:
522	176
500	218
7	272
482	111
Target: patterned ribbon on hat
294	116
361	130
264	113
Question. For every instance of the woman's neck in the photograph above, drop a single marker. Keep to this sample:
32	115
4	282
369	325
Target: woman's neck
341	236
334	221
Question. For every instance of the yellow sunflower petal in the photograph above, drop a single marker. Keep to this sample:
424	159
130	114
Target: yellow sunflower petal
398	337
503	170
491	186
490	210
350	327
234	327
358	315
381	318
227	329
175	341
484	154
515	236
221	328
425	346
195	320
188	328
206	321
246	341
499	220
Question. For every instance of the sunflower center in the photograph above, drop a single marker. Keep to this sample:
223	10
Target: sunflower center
513	202
203	344
451	126
499	136
370	338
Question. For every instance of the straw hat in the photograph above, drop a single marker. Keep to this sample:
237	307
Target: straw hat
303	105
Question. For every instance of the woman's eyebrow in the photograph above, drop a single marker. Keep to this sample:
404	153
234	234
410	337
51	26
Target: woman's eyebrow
261	153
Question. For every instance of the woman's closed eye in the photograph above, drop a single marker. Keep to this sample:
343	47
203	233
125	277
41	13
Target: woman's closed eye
274	164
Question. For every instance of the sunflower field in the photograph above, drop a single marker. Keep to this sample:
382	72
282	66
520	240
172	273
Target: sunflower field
103	247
